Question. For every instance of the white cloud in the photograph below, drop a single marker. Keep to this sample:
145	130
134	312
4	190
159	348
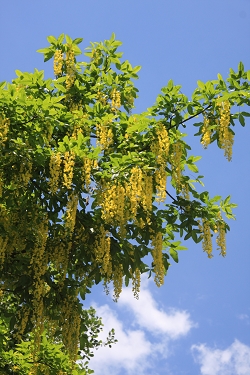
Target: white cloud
147	314
129	354
143	330
235	360
245	318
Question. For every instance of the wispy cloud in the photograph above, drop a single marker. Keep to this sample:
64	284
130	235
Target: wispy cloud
245	318
130	354
148	315
234	360
144	332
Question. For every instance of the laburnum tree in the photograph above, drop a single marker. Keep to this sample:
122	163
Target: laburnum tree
91	191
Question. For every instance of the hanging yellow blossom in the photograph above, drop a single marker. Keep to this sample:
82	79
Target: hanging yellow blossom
86	170
25	173
207	238
160	146
3	246
4	128
70	67
147	192
58	62
104	136
102	98
1	183
117	281
38	265
176	164
70	216
136	283
158	259
68	171
161	182
116	99
134	189
226	137
71	321
206	133
102	252
55	169
221	238
185	191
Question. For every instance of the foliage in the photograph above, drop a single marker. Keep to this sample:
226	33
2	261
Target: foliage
83	191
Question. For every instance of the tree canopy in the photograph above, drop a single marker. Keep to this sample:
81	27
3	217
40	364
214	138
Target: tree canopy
91	191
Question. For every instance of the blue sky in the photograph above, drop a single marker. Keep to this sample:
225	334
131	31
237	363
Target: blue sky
198	323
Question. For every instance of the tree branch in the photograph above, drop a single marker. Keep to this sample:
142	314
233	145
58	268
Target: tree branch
189	118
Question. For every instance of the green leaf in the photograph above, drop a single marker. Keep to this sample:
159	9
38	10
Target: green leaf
193	167
77	40
241	68
174	254
219	77
241	119
68	39
136	69
194	236
248	75
188	235
201	84
170	84
60	87
51	39
44	50
112	37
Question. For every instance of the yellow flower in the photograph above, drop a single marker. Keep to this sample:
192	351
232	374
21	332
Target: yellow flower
55	169
207	239
70	67
68	172
226	137
58	62
206	133
158	259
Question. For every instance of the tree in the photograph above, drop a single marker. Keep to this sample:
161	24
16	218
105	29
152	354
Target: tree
84	197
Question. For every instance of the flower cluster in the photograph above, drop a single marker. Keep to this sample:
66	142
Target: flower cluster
54	169
206	238
146	198
102	252
206	133
71	321
160	147
134	189
101	97
68	171
3	246
221	238
4	128
1	183
70	67
70	216
158	259
38	267
225	135
116	99
136	283
185	191
176	164
117	281
161	184
25	173
104	136
86	170
58	62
